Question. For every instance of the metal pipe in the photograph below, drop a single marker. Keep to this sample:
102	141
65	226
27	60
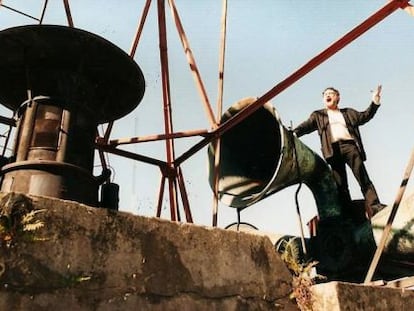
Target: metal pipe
184	197
192	63
169	143
219	109
130	155
134	140
63	136
68	14
26	129
139	29
160	195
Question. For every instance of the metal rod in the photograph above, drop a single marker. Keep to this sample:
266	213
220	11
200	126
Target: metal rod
221	61
68	14
314	62
19	12
160	196
192	63
298	213
169	143
177	211
63	136
216	182
173	198
390	220
26	130
6	142
8	121
130	155
219	111
108	131
133	140
42	15
184	196
139	28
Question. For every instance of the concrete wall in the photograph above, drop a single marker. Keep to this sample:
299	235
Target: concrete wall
340	296
95	259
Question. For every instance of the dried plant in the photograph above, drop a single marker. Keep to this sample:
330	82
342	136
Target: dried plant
303	275
18	219
29	223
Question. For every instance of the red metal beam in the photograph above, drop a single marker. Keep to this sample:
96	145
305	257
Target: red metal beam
142	139
68	13
316	61
168	126
192	63
139	28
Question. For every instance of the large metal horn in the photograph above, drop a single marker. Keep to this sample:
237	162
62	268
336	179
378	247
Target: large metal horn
259	157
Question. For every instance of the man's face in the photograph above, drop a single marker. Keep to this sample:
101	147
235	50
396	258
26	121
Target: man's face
331	99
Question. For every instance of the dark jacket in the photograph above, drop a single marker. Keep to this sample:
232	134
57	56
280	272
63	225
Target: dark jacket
318	120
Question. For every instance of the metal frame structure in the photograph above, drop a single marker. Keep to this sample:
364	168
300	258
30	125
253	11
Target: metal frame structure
171	168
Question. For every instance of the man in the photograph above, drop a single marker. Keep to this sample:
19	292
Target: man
341	142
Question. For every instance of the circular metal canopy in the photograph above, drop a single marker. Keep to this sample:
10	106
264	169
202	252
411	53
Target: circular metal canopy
83	71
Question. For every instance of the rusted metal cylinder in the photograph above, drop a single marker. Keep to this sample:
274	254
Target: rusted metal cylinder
50	178
54	153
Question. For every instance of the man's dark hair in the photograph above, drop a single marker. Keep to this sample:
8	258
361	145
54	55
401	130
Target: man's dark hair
331	88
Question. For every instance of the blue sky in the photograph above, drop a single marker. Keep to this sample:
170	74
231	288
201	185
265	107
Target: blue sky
267	40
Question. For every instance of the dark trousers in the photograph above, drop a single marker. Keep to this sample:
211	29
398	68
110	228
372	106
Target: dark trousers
346	152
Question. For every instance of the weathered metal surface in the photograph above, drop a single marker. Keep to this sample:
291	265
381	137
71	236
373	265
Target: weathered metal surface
62	82
260	156
50	178
54	153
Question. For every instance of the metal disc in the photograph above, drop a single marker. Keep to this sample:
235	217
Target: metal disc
81	70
